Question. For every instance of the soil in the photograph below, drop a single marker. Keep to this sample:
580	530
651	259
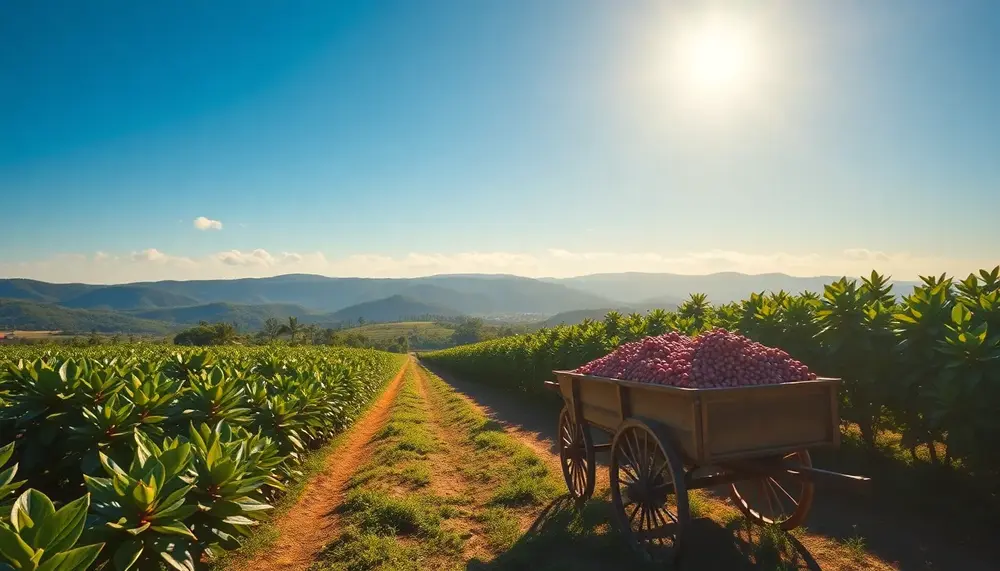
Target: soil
311	523
891	540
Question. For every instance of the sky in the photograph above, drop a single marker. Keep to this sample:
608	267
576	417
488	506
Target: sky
184	140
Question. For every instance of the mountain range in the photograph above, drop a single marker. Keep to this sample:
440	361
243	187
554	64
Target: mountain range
156	307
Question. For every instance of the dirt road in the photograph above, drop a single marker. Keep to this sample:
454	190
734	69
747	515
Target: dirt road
312	521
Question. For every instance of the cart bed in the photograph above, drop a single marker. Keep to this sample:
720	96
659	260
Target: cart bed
714	425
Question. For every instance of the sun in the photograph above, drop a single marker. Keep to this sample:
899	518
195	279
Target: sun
716	60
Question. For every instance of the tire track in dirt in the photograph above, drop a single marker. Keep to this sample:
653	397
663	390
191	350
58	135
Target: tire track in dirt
305	528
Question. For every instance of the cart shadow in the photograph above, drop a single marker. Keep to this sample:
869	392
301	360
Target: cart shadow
568	536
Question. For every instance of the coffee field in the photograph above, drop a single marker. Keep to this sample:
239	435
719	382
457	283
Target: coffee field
158	456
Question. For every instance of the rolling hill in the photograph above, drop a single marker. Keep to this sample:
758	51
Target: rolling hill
478	295
29	315
393	308
244	316
127	297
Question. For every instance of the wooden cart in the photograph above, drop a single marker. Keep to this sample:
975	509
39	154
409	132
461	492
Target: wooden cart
667	440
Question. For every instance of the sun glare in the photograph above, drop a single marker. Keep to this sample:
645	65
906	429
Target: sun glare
716	60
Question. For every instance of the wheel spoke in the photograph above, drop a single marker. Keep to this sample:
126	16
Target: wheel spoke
777	500
629	464
629	471
669	514
631	517
782	488
634	452
763	489
642	520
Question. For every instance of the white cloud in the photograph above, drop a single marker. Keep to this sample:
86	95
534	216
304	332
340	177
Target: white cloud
202	223
154	264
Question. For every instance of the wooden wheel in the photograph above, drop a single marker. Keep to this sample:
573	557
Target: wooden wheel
647	491
782	500
576	454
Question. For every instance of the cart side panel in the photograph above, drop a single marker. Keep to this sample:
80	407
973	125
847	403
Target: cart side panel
754	423
675	411
598	400
600	404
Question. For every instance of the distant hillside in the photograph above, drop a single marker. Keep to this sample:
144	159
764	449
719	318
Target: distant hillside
28	315
127	297
393	308
33	290
474	295
246	317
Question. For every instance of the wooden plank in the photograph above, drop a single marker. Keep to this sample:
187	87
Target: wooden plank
624	405
577	404
699	432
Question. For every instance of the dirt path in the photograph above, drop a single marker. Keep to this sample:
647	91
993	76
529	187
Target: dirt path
311	522
905	543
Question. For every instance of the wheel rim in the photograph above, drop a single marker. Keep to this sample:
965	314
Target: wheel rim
574	453
782	500
643	493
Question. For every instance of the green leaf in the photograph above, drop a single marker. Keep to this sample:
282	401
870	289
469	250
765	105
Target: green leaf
78	559
29	511
175	496
960	314
14	549
60	531
6	452
179	511
174	529
127	554
250	505
143	495
222	472
175	460
137	530
226	508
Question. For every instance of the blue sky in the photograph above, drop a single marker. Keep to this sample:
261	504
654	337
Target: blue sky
541	138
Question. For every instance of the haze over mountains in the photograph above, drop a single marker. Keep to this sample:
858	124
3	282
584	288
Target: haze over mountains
156	307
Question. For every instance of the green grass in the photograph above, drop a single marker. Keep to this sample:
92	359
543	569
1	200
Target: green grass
856	545
502	530
356	551
377	512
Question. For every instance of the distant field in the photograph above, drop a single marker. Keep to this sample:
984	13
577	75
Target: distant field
386	331
32	334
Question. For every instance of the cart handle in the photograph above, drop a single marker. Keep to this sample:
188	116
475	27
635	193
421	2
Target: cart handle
551	385
827	473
